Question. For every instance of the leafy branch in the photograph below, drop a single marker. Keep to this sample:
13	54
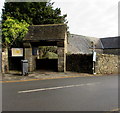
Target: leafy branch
13	30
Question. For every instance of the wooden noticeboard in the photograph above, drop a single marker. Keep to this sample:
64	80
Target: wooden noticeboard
17	52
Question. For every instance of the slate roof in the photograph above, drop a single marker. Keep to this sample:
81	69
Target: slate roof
78	44
111	42
46	32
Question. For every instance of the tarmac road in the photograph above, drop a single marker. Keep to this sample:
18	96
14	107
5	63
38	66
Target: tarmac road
66	94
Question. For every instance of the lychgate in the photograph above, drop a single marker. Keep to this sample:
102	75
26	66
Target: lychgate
46	35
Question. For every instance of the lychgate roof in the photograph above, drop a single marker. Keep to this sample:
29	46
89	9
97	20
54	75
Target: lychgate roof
46	32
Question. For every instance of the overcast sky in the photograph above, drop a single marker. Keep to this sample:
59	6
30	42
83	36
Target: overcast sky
95	18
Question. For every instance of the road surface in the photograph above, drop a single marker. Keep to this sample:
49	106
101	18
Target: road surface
66	94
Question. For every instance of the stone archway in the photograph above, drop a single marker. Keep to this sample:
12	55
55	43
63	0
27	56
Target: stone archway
54	34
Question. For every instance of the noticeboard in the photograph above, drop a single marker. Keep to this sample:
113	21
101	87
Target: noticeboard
17	52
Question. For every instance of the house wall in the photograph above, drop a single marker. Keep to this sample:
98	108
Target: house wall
108	51
107	64
111	51
100	51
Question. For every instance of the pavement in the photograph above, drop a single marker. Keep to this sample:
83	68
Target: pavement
39	75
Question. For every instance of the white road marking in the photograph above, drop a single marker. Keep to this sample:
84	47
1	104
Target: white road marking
60	87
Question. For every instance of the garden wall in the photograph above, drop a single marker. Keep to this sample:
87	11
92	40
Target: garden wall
107	64
5	67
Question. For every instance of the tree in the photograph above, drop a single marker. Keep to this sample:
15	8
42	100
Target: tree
48	52
13	31
35	13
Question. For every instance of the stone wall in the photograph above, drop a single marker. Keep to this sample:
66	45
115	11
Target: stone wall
31	59
106	64
61	59
34	62
5	66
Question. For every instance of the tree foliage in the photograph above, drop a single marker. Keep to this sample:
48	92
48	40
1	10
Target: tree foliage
47	51
16	15
50	55
34	12
13	31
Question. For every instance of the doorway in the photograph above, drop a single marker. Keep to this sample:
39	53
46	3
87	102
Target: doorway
47	59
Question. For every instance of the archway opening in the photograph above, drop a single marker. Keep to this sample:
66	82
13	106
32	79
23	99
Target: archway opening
47	59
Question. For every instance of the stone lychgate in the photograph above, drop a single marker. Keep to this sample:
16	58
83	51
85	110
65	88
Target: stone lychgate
46	35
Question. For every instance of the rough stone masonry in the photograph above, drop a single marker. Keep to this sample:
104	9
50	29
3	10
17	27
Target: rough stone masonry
107	64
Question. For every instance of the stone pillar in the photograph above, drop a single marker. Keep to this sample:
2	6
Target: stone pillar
5	63
28	56
61	57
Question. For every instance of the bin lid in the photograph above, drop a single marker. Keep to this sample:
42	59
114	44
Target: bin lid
24	61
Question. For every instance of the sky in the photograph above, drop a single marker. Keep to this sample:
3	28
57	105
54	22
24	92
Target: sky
94	18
